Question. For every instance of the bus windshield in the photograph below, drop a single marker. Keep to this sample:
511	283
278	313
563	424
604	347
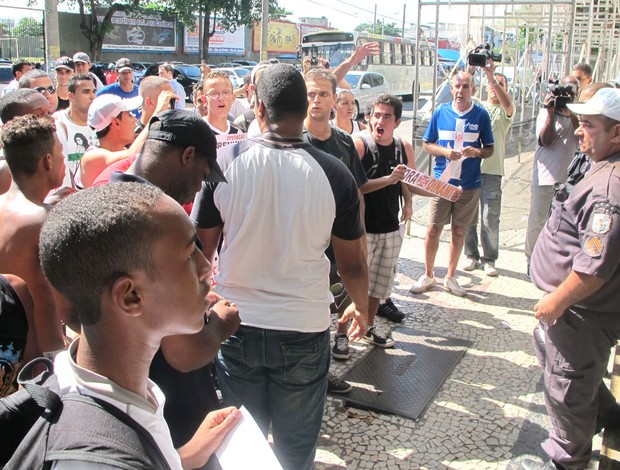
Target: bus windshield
334	53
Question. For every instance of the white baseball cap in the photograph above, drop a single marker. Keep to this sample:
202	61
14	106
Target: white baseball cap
605	102
106	107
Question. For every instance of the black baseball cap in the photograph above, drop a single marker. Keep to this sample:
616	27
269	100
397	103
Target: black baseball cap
186	129
65	63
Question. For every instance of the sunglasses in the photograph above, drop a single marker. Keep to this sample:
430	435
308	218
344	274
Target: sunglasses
42	89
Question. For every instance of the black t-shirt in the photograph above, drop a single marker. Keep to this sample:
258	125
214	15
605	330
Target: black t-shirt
340	145
62	104
382	206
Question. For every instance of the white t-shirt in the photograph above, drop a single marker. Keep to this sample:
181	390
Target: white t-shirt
280	207
551	162
73	378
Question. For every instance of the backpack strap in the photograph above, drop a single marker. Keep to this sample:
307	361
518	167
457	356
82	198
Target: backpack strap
374	150
117	440
40	387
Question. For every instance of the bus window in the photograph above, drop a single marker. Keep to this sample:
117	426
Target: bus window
398	54
387	52
408	54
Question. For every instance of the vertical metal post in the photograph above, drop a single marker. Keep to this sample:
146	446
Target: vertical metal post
404	11
610	450
264	37
374	21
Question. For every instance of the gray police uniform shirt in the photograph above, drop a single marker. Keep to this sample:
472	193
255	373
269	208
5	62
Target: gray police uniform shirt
583	235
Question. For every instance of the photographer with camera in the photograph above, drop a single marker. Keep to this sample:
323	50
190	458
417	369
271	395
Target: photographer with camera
556	145
501	110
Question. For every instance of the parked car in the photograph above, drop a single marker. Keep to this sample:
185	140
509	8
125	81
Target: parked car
235	74
6	73
139	68
365	86
186	74
251	63
228	65
99	68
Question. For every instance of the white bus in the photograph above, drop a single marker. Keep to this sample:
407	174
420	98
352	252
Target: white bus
397	61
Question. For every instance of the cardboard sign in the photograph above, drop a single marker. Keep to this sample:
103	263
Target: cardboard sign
430	184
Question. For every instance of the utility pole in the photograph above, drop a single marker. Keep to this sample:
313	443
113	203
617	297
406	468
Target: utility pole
374	21
404	11
264	36
51	34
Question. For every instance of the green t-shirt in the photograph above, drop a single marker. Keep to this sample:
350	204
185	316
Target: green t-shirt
500	123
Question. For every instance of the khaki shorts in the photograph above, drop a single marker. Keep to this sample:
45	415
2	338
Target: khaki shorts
461	213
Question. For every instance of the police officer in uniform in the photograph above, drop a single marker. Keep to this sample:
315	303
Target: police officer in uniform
576	262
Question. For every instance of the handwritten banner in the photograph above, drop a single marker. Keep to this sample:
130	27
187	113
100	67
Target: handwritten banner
430	184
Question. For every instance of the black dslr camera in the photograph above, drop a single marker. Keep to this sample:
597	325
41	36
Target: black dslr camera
562	94
314	61
479	56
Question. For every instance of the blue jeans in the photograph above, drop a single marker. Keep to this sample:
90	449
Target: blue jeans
490	208
281	378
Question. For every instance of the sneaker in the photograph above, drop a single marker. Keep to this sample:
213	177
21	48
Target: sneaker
423	284
489	268
341	347
390	311
337	385
470	264
453	286
378	339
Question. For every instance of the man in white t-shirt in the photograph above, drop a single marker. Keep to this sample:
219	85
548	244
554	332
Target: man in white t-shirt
284	202
125	256
556	145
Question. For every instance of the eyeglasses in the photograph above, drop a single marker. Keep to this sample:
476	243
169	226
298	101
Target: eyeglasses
214	95
49	89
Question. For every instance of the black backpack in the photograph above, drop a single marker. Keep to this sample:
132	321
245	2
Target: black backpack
40	427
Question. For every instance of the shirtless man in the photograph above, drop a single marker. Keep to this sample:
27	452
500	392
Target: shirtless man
34	155
19	103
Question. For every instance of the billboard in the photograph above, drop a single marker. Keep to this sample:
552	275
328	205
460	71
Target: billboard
221	43
282	38
144	31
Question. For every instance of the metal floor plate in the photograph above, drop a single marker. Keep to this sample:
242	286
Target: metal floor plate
404	379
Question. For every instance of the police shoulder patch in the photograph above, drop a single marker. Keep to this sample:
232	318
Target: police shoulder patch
593	247
601	223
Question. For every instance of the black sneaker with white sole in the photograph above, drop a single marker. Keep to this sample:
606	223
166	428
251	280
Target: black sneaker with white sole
390	311
378	339
341	347
337	385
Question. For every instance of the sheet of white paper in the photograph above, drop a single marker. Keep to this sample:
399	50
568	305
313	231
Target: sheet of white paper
453	169
246	447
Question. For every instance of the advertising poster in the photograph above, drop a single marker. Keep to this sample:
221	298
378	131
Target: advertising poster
140	31
283	38
221	43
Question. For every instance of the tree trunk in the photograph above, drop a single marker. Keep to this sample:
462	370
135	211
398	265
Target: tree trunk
206	33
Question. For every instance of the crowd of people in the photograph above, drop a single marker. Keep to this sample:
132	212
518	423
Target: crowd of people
157	251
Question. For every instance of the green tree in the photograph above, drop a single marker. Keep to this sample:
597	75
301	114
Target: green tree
230	14
387	29
28	26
